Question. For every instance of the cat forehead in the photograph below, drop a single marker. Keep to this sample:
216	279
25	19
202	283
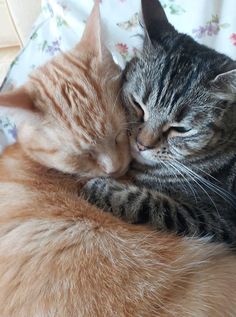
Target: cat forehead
64	68
178	52
183	73
78	106
68	86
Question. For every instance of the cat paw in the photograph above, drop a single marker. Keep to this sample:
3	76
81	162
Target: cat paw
90	189
100	191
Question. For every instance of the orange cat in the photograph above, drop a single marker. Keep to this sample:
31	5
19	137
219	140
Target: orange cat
60	256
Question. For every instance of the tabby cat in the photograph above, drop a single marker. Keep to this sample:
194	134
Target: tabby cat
180	98
60	256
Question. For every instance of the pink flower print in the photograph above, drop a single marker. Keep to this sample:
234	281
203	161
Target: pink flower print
211	28
122	48
233	38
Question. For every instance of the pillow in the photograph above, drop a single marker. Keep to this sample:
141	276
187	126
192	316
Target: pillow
61	23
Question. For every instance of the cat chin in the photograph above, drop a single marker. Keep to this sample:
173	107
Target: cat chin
140	159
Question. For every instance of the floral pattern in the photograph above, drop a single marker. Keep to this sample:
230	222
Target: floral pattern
131	23
51	48
7	132
61	23
122	49
233	39
173	7
211	28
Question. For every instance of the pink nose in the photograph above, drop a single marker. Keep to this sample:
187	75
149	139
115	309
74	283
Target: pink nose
141	147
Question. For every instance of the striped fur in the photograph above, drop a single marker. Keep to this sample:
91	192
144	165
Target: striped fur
181	103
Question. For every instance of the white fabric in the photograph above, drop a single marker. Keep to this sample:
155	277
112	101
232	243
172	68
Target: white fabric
61	23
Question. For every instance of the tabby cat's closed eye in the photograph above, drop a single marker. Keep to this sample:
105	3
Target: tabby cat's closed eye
181	129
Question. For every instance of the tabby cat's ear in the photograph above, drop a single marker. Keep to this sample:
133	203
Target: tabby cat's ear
18	98
155	21
225	85
91	38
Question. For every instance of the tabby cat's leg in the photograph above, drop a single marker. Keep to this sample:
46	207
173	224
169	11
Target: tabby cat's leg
140	205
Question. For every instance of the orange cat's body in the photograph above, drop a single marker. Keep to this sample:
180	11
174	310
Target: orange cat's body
61	257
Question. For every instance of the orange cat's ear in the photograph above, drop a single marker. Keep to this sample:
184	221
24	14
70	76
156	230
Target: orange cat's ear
92	39
18	98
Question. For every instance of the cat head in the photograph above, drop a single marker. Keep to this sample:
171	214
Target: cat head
72	115
178	93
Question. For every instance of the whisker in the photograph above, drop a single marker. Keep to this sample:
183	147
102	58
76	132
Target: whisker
189	184
227	196
207	174
116	99
167	165
196	181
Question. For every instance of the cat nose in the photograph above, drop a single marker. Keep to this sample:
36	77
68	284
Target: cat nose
145	140
141	147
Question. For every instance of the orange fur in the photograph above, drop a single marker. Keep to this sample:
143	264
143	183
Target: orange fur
75	120
60	256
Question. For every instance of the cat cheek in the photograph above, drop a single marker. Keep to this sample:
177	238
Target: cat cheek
121	137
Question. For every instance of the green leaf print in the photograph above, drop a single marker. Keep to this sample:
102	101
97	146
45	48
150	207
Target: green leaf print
34	36
60	21
173	7
45	44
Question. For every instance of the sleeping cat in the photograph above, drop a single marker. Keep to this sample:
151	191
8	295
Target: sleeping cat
181	98
60	256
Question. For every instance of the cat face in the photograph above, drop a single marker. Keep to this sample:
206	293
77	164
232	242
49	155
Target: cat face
74	120
176	93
